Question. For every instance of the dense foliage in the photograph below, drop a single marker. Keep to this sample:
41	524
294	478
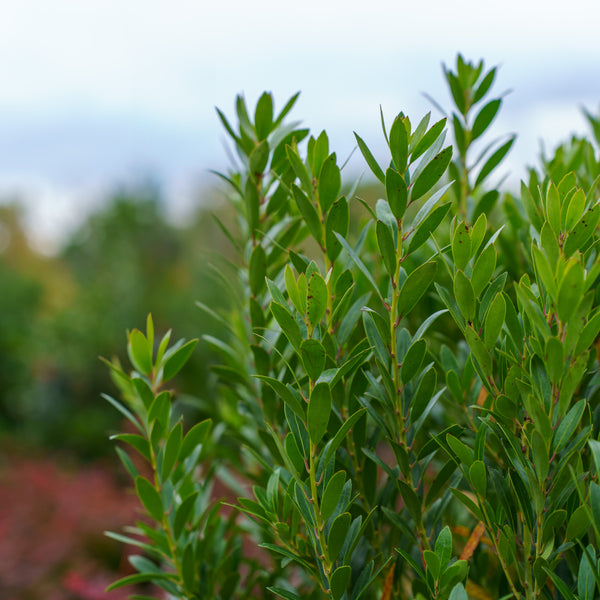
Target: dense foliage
408	402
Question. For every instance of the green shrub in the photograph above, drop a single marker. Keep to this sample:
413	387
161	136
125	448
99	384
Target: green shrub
406	411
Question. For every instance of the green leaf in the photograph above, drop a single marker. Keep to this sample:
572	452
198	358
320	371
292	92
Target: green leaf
375	168
308	212
464	453
141	578
289	325
285	393
567	426
554	359
428	226
337	535
570	291
259	157
579	523
359	263
330	182
423	394
341	434
484	117
541	460
575	209
431	174
432	562
194	437
544	271
336	222
332	494
493	161
171	451
291	286
588	335
387	248
283	593
396	192
458	593
316	300
150	498
299	167
412	360
257	269
312	353
140	352
461	246
478	477
483	270
583	230
263	116
399	143
586	582
494	321
175	362
411	501
479	350
375	338
415	285
553	208
319	410
135	441
340	580
428	139
443	547
465	296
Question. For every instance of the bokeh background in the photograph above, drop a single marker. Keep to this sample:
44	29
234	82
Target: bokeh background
108	134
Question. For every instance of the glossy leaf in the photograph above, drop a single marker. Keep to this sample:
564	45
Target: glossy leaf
415	285
431	174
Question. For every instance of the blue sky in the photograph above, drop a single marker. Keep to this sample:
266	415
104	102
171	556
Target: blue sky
96	92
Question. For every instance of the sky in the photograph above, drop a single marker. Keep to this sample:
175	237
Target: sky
96	93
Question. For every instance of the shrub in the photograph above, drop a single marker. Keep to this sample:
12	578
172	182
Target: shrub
408	400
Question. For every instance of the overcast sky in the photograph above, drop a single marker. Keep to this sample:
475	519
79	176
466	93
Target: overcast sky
95	92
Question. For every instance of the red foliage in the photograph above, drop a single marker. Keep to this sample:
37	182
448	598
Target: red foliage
52	521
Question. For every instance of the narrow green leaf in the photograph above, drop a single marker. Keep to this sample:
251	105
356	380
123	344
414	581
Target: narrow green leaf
337	534
375	168
396	192
263	116
340	580
387	248
299	168
431	174
359	263
428	139
309	213
312	353
465	296
428	226
484	117
583	230
171	451
285	394
319	411
175	362
399	143
332	494
289	325
140	352
415	285
464	454
479	350
257	270
494	321
553	208
336	222
412	361
443	547
461	246
493	161
570	291
150	498
316	299
341	434
483	270
575	209
330	182
194	437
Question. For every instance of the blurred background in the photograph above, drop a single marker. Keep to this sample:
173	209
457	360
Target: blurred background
108	134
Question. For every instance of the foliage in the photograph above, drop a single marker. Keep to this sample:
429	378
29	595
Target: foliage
416	414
